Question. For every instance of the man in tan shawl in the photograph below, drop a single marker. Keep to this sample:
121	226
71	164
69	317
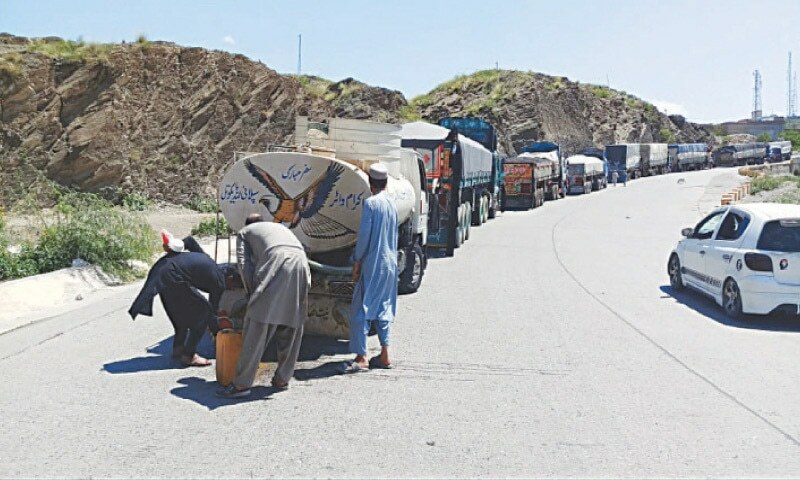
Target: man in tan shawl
275	271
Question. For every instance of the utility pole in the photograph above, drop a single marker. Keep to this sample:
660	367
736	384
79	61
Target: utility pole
299	53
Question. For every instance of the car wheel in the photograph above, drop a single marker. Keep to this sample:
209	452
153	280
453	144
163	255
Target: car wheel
674	271
732	299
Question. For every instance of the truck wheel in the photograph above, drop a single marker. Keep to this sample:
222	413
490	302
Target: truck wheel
468	214
411	278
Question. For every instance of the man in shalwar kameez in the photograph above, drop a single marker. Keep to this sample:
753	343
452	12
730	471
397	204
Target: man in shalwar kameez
374	273
276	275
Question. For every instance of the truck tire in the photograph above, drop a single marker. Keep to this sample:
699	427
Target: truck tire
411	278
468	214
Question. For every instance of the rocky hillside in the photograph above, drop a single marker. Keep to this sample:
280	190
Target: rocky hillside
527	107
153	117
165	120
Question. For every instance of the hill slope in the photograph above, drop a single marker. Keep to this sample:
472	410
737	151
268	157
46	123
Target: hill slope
527	107
165	120
154	117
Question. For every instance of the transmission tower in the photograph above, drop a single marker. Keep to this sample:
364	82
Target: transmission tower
757	95
790	103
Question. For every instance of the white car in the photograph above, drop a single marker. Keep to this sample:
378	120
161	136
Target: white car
746	257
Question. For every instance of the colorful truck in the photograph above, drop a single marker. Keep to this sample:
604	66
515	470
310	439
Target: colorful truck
530	179
484	133
554	186
460	181
318	190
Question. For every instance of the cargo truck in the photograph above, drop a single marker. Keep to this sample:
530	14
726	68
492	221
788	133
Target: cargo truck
317	191
740	154
688	156
554	186
584	173
779	151
654	158
484	133
624	158
460	180
525	177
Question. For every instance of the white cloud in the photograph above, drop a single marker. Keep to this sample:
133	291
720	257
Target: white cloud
229	40
670	108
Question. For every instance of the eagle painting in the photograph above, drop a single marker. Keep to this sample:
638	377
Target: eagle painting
302	209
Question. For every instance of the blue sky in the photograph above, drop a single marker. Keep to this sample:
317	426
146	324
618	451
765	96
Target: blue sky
690	57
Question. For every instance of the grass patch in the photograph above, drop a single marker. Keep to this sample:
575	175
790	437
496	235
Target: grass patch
313	86
212	227
766	183
202	204
555	85
71	50
601	92
83	226
409	114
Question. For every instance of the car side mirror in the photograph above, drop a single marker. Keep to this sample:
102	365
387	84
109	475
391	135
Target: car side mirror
687	232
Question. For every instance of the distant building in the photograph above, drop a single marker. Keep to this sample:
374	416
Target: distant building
773	125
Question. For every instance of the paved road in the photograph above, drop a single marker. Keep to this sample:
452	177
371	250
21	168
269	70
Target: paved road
551	345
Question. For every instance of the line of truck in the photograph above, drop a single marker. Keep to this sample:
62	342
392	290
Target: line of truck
446	178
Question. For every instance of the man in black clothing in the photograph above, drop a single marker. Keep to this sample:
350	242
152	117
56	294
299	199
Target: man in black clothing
177	278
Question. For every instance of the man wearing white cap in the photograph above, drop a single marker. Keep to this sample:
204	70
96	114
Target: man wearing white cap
374	273
176	278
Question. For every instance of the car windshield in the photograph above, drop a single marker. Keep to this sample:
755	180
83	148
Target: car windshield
778	238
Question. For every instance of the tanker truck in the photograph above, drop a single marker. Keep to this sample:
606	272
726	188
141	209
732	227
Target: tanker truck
317	191
459	178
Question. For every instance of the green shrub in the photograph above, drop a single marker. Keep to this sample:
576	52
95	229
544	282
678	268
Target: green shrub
765	183
212	227
791	135
764	137
136	202
202	204
666	135
86	227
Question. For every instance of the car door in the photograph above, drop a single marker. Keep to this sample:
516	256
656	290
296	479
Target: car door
721	252
695	248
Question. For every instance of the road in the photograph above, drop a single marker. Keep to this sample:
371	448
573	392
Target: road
550	346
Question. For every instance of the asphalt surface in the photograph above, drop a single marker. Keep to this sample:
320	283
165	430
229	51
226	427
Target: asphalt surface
550	346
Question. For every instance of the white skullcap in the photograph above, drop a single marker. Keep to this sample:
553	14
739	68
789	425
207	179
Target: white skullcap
174	244
378	171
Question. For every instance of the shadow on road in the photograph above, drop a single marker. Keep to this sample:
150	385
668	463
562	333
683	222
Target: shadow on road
708	308
160	358
203	393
